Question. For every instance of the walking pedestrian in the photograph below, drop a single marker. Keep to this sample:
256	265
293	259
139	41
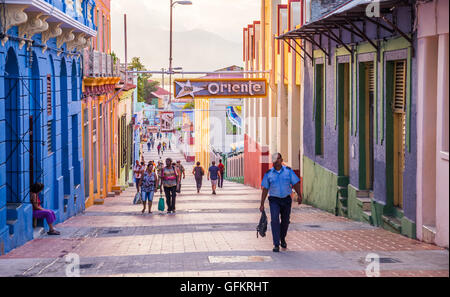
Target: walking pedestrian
169	179
137	170
213	174
149	181
278	183
198	173
159	148
181	172
222	173
39	212
149	145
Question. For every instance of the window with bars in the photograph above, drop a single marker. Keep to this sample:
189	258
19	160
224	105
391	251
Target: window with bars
49	95
371	75
50	137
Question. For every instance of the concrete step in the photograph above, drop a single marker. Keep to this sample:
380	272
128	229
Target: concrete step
343	201
363	194
367	217
99	201
11	224
37	232
429	234
391	223
365	203
11	210
111	194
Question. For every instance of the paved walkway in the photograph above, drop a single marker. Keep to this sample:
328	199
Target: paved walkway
215	235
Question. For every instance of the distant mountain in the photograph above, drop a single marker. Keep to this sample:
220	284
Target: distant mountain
195	50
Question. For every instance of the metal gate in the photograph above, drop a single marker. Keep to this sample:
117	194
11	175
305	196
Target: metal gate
24	133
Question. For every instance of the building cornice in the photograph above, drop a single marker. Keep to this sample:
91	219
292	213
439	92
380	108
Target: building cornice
49	9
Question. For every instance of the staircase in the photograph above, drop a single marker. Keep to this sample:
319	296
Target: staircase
364	200
342	195
11	215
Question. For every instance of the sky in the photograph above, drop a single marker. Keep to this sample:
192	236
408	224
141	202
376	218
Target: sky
207	35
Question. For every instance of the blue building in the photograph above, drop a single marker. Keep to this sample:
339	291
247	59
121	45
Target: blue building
40	111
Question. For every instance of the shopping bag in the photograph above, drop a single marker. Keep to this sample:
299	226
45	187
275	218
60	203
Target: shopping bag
137	198
161	204
261	229
178	190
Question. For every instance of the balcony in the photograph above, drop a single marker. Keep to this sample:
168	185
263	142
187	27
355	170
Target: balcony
98	64
75	16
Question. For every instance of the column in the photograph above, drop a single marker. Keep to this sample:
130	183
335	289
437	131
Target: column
294	116
282	109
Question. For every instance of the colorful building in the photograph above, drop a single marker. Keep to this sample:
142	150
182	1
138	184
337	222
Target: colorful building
40	111
210	123
432	122
100	109
273	124
360	106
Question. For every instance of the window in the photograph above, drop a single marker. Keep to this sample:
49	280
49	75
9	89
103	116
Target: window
50	137
49	95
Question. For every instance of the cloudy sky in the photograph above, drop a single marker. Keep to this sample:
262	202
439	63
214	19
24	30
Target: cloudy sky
207	34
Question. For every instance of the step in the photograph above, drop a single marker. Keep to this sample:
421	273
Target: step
111	194
37	232
365	203
11	224
344	210
99	201
392	224
343	201
131	184
116	188
367	217
429	234
11	210
343	191
363	194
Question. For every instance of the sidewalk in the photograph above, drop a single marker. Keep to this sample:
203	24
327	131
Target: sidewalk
215	235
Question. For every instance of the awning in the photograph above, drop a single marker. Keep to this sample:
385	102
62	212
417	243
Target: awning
344	17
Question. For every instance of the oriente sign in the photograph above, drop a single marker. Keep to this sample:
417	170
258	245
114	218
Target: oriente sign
221	88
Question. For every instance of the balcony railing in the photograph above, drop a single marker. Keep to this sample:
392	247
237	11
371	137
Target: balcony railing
80	10
97	64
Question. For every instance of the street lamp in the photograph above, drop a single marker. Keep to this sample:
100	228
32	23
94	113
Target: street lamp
172	4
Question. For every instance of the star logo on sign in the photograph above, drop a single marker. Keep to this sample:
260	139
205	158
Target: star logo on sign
187	89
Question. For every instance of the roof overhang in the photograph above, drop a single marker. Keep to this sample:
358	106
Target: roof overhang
344	17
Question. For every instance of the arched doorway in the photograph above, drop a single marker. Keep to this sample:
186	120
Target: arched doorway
12	128
36	123
64	127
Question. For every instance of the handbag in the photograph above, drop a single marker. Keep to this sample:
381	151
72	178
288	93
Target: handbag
178	188
262	226
161	204
137	198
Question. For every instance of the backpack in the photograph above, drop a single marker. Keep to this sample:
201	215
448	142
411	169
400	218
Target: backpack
262	226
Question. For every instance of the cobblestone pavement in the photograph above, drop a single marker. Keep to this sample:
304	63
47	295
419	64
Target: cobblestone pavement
215	235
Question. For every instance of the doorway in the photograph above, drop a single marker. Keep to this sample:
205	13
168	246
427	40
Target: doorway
344	119
396	129
366	127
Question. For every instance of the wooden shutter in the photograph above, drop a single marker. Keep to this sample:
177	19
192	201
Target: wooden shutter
49	95
399	86
371	76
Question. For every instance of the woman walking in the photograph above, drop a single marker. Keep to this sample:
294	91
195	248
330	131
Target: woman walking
198	173
148	183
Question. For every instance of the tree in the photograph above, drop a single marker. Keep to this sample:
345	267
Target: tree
189	105
145	87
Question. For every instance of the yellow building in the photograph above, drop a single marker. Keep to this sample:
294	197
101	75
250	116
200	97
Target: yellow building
273	124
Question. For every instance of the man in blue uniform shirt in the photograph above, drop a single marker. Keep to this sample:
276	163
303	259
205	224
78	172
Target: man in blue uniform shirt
278	183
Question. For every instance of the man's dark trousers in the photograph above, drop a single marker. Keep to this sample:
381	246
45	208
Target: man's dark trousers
279	207
171	195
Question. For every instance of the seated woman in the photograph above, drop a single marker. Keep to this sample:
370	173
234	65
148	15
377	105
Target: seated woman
39	212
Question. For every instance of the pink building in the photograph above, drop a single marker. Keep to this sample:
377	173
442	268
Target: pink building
432	122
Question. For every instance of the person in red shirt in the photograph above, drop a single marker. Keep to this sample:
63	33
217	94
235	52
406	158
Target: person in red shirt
222	171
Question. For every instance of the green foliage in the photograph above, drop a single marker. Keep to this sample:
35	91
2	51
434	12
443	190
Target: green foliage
189	105
114	56
145	87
